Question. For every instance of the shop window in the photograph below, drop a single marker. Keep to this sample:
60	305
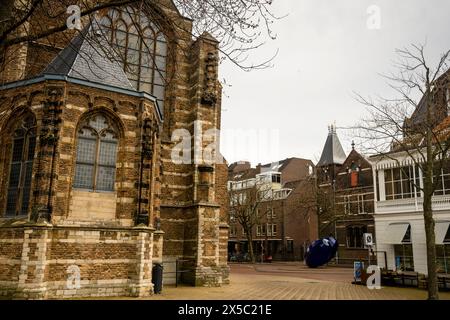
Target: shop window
355	236
443	258
290	246
404	259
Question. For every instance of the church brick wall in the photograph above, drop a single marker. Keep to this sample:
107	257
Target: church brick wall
110	262
192	216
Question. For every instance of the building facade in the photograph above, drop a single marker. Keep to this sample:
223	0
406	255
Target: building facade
91	196
399	222
286	218
346	200
399	216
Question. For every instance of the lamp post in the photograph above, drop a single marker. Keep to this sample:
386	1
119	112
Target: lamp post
334	217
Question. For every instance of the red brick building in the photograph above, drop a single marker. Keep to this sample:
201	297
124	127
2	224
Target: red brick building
346	205
287	221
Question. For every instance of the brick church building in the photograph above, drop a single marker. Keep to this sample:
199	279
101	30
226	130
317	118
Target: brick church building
90	195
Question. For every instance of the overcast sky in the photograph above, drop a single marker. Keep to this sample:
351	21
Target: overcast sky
326	52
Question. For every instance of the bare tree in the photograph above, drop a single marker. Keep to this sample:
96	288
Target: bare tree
319	200
412	123
245	204
305	204
240	26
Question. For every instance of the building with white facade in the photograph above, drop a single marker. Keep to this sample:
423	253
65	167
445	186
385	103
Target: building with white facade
399	221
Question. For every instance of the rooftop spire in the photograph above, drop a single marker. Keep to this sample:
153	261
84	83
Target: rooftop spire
332	153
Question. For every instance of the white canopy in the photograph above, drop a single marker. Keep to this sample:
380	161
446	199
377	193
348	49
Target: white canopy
396	232
441	229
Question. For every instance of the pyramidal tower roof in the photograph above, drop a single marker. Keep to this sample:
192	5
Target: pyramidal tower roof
332	153
88	57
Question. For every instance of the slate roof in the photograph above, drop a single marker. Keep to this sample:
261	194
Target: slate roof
419	115
87	57
281	165
332	153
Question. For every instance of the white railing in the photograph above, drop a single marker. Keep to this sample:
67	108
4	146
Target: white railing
411	205
281	194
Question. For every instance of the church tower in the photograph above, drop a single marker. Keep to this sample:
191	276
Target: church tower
333	156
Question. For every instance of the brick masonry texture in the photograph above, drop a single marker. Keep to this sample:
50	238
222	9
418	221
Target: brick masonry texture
159	211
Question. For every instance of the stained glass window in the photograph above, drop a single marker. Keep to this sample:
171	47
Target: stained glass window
96	154
142	50
21	167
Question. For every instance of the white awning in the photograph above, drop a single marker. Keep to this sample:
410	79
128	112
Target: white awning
395	232
441	229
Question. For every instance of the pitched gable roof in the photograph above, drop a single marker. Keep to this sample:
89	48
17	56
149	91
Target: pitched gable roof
355	156
420	113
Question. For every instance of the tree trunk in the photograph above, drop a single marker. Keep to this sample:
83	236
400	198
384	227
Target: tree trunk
250	246
433	292
428	188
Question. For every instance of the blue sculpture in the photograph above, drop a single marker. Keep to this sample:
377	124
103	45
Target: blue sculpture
320	252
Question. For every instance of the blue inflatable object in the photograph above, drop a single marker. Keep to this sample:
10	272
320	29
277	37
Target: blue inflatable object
320	252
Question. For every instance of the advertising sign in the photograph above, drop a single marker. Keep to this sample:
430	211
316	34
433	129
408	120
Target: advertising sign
358	267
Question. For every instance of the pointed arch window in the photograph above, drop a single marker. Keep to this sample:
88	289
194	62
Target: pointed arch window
21	166
96	154
142	49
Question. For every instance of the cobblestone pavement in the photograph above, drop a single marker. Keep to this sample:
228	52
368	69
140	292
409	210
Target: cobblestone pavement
290	281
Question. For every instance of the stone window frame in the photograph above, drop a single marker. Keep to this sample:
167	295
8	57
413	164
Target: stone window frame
31	132
112	127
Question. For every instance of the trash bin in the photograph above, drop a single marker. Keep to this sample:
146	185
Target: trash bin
157	278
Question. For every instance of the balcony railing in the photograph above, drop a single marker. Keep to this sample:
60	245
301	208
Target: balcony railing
412	205
281	194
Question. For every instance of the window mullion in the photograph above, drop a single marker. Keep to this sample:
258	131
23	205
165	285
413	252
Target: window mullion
22	175
96	164
141	44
